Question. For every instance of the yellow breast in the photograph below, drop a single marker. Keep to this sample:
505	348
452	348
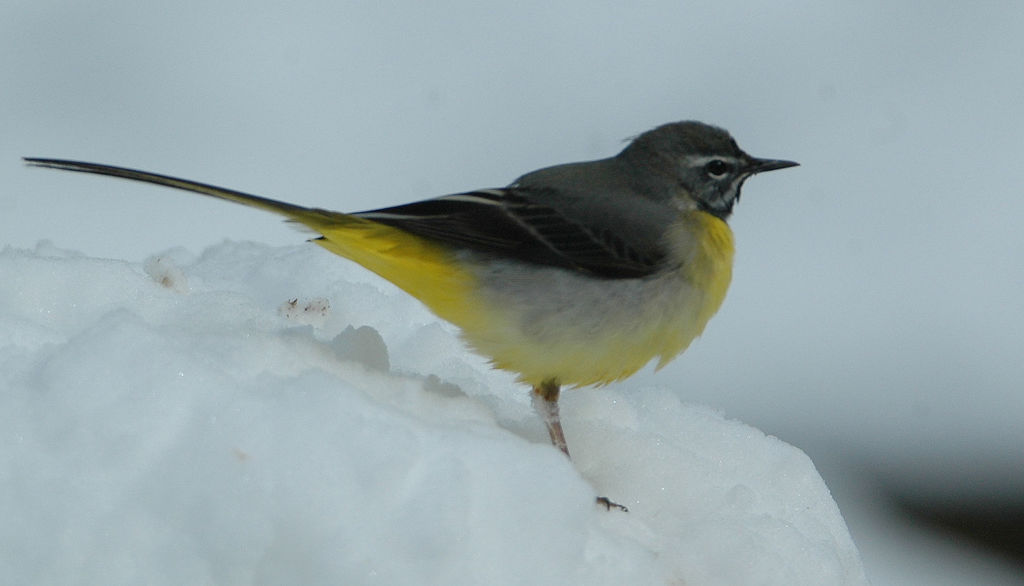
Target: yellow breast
709	270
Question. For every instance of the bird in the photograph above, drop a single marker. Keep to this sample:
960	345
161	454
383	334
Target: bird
573	275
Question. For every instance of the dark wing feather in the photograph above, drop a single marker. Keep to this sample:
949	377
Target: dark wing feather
514	223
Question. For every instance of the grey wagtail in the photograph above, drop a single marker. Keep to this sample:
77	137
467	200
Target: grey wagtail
578	274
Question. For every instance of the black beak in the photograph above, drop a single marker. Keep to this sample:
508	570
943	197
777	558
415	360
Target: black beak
762	165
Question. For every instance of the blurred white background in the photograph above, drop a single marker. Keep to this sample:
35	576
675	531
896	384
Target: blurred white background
876	313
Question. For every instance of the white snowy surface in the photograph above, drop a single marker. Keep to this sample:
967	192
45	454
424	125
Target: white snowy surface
271	415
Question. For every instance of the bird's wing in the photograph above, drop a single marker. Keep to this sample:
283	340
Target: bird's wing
516	222
529	223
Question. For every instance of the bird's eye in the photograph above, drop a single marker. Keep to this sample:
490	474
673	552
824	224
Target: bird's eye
717	168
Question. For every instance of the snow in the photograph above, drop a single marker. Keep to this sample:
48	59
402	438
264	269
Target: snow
277	415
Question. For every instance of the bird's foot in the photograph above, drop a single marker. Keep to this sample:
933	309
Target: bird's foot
609	505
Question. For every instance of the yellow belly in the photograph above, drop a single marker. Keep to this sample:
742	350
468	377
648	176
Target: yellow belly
547	323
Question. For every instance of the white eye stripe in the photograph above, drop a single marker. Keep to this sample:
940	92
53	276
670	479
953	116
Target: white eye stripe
715	167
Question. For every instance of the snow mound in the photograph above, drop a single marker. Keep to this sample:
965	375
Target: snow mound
280	416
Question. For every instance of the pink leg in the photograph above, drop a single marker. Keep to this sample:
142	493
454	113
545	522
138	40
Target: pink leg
545	402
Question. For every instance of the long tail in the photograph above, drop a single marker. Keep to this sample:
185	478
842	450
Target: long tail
425	269
316	219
